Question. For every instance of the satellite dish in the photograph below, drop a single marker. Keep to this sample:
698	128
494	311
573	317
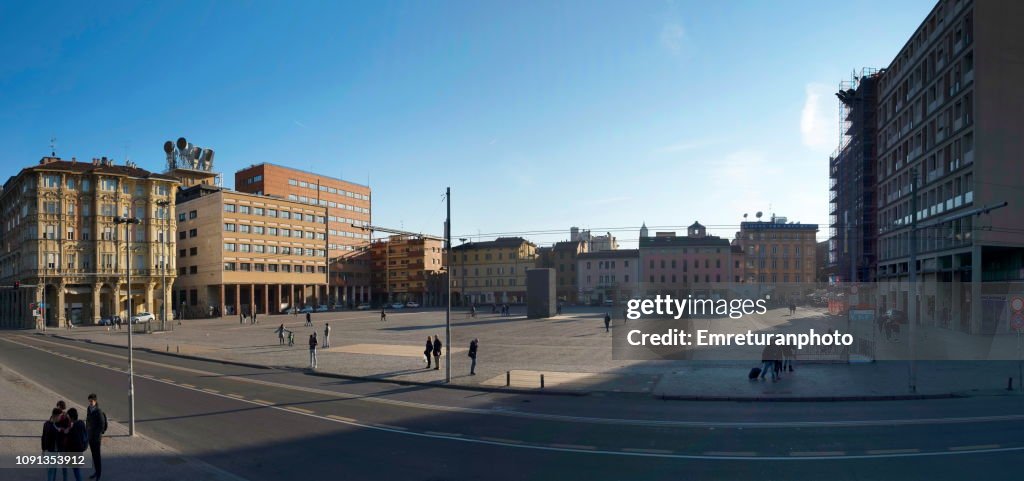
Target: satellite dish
207	161
168	146
182	143
744	215
758	214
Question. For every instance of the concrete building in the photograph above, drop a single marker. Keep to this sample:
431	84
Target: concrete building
779	253
405	268
348	209
594	243
949	121
852	202
492	271
244	253
562	258
697	263
608	275
60	243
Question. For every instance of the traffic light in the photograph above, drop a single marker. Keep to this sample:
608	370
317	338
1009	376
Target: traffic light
17	284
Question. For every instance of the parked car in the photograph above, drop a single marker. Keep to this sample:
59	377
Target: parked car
305	310
397	305
609	302
110	320
897	316
363	306
322	308
142	317
412	304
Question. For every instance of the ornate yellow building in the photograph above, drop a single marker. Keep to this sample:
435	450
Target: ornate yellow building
492	271
62	256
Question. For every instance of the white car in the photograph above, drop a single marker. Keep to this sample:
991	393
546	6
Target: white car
412	304
365	306
142	317
322	308
397	305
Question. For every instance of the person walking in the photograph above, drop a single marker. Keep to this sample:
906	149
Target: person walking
96	425
327	335
383	314
309	320
788	356
473	345
472	312
280	335
607	321
50	441
427	350
312	351
437	353
254	320
241	317
768	362
76	441
63	425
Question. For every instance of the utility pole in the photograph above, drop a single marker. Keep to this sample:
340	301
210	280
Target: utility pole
131	358
448	286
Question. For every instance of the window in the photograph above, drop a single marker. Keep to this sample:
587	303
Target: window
193	270
257	211
86	185
257	229
293	182
51	181
108	184
243	209
245	266
229	247
243	228
271	212
229	208
192	251
192	214
244	247
181	235
286	215
70	184
229	227
181	217
229	266
193	232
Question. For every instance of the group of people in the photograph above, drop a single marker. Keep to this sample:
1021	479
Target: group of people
314	343
776	359
506	311
244	319
434	348
64	433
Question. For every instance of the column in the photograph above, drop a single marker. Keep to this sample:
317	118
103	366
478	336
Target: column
238	299
291	296
266	299
59	314
222	304
96	290
150	307
169	298
252	299
279	301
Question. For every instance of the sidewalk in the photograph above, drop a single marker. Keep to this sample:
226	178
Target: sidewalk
572	351
26	407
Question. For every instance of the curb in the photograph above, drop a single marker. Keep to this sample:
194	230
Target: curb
504	390
816	399
156	351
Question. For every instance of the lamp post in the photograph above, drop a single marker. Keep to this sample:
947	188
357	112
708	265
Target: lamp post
163	265
462	297
131	358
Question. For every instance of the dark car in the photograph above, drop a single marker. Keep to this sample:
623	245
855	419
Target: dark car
893	315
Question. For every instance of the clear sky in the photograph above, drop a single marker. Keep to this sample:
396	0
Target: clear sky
539	115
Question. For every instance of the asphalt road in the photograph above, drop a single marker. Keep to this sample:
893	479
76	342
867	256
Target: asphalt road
271	425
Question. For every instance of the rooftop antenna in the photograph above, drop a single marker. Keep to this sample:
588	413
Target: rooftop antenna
53	146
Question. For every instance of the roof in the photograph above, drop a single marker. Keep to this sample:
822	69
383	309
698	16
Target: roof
567	245
494	244
680	241
306	172
56	164
612	254
776	225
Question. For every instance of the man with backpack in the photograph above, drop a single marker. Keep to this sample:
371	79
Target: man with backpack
312	351
96	425
76	441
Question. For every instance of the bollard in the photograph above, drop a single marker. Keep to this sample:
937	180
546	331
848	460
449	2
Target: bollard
542	381
177	349
1009	383
167	348
508	378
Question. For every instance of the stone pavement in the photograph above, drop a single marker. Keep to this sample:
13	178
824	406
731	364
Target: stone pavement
572	351
26	405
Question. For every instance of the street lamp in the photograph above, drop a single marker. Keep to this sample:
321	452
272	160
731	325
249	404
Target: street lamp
131	359
163	265
462	298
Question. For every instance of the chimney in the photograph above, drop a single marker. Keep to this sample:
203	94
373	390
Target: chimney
74	160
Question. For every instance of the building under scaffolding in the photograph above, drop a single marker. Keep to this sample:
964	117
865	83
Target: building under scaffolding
852	206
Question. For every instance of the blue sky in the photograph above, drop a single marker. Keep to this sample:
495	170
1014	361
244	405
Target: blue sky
539	115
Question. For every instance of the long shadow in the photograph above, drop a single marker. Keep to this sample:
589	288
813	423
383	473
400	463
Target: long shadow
499	320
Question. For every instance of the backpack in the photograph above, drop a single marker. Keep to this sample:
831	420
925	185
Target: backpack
77	438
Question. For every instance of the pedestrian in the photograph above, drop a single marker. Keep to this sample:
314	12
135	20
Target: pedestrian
96	424
254	321
383	315
472	311
50	441
558	309
625	315
437	353
427	350
472	355
63	425
291	338
309	320
607	321
788	356
241	317
312	351
280	335
768	362
76	441
327	335
295	311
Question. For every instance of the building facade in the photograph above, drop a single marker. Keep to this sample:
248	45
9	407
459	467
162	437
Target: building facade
405	269
779	252
697	263
594	243
949	109
348	213
608	275
562	258
492	271
247	253
68	257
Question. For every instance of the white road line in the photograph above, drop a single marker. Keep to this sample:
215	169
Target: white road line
341	418
573	446
892	451
500	440
804	454
731	454
299	410
976	447
648	450
236	396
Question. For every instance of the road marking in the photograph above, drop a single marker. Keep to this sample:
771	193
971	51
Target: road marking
647	450
211	390
892	451
164	379
186	385
341	418
500	440
572	446
731	454
443	434
236	396
804	454
388	426
976	447
299	410
260	401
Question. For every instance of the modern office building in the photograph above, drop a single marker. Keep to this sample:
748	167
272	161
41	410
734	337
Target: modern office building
608	275
348	211
405	268
949	121
247	253
852	203
492	271
63	253
696	263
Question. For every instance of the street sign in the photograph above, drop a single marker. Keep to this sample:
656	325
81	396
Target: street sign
1017	314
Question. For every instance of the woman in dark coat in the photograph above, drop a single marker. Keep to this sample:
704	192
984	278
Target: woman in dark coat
427	350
